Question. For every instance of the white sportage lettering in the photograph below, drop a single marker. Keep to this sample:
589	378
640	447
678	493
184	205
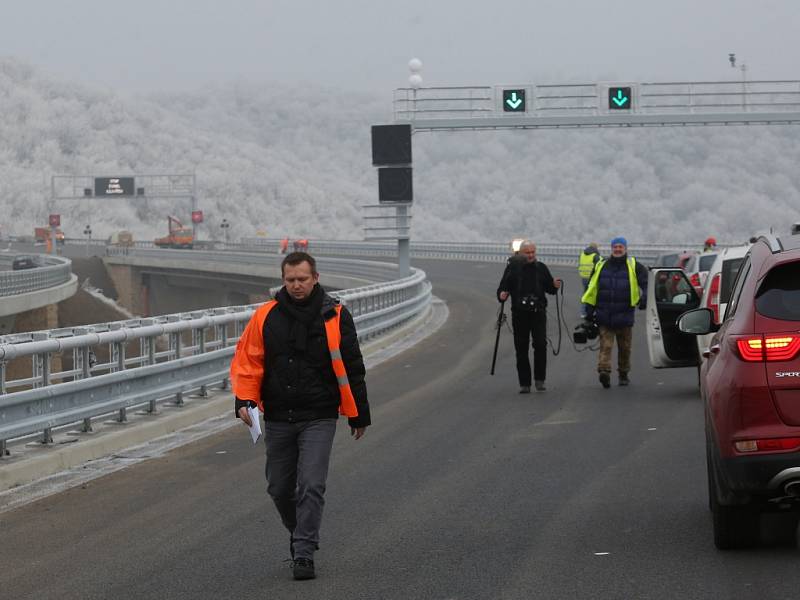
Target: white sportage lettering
787	374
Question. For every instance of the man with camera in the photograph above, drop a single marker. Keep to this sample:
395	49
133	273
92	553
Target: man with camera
527	281
615	290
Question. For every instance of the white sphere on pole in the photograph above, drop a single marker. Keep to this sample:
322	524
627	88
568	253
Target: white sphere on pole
415	81
415	65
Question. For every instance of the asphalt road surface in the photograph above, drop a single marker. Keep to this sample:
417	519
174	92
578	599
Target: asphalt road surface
461	489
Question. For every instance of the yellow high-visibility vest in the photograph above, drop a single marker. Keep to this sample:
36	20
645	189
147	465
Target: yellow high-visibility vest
586	264
590	296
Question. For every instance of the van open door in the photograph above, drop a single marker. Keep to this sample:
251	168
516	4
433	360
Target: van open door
669	295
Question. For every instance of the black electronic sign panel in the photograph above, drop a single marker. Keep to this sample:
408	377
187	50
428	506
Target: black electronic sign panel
619	98
513	100
113	186
391	145
395	184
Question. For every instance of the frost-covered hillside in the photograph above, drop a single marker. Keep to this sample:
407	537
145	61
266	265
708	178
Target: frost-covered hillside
296	161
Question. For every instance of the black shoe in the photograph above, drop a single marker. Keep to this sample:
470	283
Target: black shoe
605	379
525	389
623	379
303	568
539	383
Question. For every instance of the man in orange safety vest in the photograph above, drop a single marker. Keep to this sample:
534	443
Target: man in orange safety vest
298	360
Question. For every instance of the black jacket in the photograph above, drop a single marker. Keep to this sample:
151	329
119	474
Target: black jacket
522	278
299	383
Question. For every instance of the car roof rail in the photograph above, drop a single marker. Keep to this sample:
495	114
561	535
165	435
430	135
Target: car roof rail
772	242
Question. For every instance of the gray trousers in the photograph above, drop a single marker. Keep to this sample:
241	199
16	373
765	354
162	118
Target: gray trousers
297	468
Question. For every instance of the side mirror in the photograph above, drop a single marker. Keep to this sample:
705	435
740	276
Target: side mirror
697	322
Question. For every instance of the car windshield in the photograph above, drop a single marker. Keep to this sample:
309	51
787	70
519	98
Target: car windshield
730	268
779	295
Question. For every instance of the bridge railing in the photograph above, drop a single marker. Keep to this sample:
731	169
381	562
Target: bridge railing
82	373
55	270
557	254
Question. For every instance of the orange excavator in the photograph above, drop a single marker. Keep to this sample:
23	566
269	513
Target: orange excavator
178	237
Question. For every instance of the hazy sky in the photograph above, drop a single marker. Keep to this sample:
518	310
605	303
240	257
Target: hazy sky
145	45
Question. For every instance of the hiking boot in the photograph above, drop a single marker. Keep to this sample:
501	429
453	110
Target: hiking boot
539	383
303	568
525	389
605	379
623	379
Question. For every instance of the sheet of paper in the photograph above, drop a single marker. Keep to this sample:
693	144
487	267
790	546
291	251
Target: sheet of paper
255	419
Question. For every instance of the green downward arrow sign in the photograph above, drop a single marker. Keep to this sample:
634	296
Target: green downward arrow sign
619	99
514	101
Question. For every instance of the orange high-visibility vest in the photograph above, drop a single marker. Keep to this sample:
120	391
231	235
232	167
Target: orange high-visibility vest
247	366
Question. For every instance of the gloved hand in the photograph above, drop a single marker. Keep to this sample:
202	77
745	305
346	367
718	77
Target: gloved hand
642	304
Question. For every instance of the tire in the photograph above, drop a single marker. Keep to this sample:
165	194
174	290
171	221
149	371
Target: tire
735	527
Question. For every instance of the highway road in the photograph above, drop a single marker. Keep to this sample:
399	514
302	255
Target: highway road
462	489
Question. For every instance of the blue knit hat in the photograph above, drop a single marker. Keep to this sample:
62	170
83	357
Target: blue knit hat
620	240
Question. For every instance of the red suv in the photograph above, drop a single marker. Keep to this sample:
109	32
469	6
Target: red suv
750	387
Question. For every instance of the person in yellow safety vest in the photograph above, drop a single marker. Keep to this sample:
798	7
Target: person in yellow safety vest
298	360
586	261
615	290
710	245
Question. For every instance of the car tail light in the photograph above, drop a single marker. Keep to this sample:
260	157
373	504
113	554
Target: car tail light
712	301
768	445
768	347
695	280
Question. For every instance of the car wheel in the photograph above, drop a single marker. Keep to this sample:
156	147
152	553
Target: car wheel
734	526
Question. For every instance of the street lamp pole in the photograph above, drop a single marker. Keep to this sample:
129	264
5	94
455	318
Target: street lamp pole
743	69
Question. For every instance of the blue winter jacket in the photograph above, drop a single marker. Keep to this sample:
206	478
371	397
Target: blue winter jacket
613	308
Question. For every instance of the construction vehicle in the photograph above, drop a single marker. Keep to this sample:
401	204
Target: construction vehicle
178	237
121	238
42	234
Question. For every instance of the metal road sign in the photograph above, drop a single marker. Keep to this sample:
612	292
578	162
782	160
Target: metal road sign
603	104
513	100
619	98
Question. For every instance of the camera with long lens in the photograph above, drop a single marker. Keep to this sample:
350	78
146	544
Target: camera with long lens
588	330
531	303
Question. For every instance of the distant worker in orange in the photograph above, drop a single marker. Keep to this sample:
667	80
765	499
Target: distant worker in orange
284	245
710	245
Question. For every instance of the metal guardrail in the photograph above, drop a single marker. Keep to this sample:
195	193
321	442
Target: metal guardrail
83	373
55	271
251	258
556	254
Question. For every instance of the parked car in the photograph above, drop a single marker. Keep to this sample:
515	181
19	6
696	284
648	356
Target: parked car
718	285
25	261
697	268
750	387
672	259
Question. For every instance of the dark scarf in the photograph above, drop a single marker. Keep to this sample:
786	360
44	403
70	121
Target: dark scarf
302	314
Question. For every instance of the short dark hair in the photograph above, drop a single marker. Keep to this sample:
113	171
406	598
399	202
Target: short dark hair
295	258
